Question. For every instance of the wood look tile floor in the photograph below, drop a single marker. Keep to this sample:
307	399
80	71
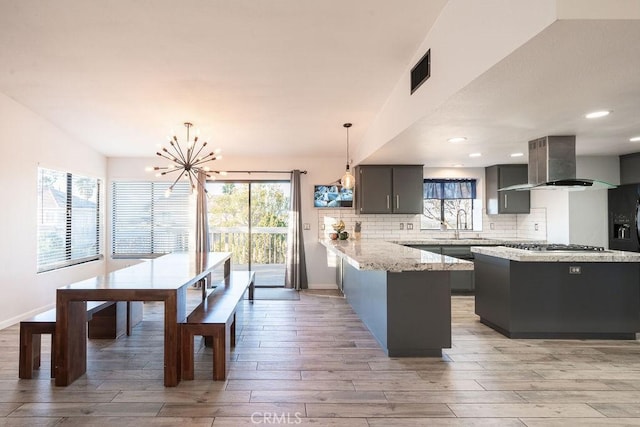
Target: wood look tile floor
313	362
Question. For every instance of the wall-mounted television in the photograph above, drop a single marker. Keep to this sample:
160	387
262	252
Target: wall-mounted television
332	196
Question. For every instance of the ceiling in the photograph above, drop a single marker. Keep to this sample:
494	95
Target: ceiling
279	78
545	87
258	78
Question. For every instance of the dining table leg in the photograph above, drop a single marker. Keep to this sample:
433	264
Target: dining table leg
174	314
71	340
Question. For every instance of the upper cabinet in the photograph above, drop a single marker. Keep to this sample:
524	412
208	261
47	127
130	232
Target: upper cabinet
630	168
387	189
506	202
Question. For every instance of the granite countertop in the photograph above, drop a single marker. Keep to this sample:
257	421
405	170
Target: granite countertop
514	254
373	254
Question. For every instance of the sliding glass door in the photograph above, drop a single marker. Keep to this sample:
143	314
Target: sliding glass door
249	219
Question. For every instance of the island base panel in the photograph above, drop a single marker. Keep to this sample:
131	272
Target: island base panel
544	300
561	335
409	313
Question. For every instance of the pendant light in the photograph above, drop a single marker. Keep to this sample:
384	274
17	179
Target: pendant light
348	181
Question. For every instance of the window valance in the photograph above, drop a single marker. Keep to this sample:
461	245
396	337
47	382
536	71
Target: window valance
444	189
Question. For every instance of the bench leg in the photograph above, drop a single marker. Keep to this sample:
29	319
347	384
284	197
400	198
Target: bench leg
27	353
221	353
252	288
36	346
233	331
30	353
134	315
187	353
53	356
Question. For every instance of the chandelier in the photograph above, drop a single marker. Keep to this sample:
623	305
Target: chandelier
188	161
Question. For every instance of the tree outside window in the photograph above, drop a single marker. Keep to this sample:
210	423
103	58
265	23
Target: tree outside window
443	199
68	219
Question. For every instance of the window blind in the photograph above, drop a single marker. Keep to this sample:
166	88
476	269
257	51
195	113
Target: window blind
68	219
145	222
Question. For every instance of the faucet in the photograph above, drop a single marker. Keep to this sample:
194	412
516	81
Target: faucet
457	233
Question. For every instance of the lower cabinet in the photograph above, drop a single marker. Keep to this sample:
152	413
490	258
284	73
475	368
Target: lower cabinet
461	281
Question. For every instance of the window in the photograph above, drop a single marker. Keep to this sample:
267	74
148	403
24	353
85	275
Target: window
68	219
443	199
145	222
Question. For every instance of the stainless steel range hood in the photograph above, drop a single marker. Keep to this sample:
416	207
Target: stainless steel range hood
552	165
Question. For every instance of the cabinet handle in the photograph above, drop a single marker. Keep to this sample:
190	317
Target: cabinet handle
506	203
397	201
388	205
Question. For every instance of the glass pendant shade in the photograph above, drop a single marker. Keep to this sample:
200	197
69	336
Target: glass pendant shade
348	181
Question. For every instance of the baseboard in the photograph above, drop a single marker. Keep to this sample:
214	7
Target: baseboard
23	316
323	286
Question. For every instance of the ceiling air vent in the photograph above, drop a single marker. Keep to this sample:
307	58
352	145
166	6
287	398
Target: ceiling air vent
421	71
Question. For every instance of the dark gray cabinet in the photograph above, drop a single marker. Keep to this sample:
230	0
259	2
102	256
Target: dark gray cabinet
462	281
384	189
630	168
506	202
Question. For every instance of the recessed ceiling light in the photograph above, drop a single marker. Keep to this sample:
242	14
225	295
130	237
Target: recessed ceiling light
457	139
458	165
517	154
597	114
635	139
475	154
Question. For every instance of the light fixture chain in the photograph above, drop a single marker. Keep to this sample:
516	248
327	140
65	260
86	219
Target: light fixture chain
348	161
347	180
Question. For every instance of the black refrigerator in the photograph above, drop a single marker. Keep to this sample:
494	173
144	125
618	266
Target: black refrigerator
624	234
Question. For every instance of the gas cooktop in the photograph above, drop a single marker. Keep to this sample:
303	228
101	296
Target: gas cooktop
555	247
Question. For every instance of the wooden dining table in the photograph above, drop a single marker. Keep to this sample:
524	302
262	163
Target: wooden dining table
164	279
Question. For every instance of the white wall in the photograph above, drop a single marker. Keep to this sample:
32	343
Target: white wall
319	171
556	204
580	216
29	141
588	210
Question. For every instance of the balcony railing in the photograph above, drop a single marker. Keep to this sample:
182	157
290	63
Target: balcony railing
268	250
268	244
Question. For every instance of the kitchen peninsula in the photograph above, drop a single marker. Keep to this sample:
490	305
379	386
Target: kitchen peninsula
525	293
402	294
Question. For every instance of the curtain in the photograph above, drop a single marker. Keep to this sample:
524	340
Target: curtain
296	269
202	224
449	189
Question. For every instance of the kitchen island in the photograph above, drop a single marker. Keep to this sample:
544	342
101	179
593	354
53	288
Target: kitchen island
462	281
558	294
402	294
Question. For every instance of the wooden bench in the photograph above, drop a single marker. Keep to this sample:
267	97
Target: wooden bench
115	320
215	317
45	323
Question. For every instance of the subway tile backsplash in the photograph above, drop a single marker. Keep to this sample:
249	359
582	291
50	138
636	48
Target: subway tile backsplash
396	227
